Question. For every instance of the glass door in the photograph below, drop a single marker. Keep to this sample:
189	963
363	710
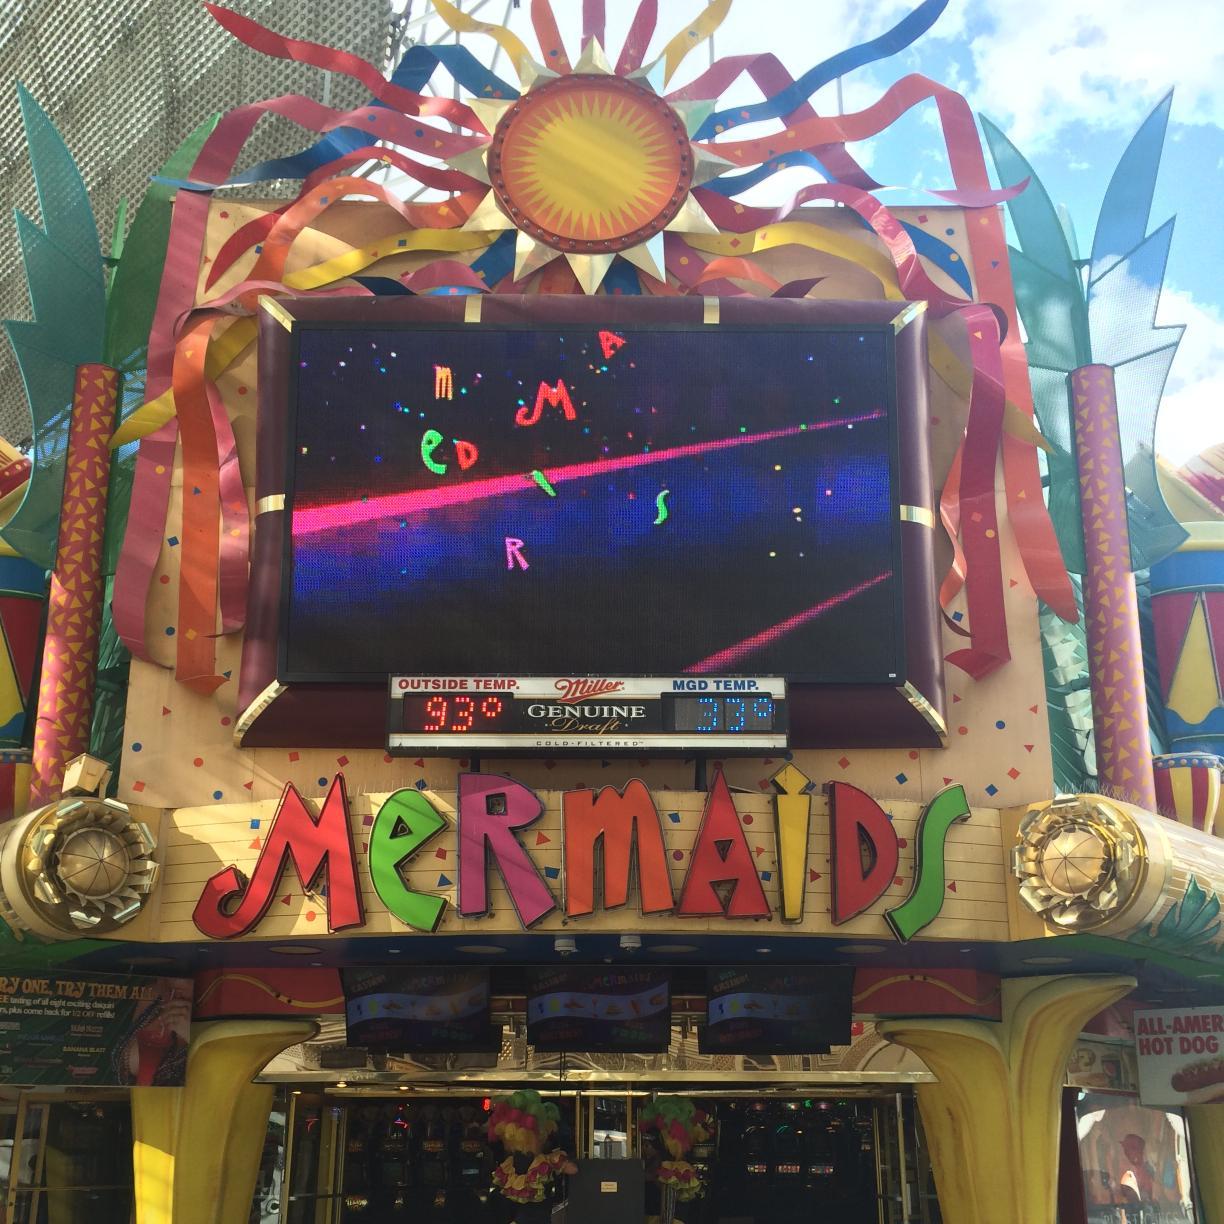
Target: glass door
67	1161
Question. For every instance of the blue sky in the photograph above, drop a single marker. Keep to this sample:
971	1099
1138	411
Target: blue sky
1068	80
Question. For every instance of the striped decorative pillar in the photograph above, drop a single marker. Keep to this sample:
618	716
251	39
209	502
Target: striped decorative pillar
70	650
1111	610
1188	788
1188	618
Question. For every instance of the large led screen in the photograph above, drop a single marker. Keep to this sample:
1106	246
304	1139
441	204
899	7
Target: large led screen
569	499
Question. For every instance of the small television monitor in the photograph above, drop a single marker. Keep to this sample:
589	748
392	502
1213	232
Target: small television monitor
428	1011
793	1010
606	1010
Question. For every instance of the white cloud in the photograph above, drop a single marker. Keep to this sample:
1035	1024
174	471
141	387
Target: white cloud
1192	410
1049	63
1034	68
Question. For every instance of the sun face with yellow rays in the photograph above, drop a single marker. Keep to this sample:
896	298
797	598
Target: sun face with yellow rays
590	166
545	178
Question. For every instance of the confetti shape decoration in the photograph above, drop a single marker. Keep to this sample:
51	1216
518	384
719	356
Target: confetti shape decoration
1098	367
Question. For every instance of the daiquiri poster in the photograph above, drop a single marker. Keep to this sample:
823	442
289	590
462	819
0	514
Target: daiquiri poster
94	1030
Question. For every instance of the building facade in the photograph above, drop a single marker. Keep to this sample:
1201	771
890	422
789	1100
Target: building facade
567	652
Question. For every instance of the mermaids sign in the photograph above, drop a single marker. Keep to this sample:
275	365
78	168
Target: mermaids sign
608	829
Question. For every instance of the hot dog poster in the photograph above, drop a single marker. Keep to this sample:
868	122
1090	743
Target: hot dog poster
1181	1055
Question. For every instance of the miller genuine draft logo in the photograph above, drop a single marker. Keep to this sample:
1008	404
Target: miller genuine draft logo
579	688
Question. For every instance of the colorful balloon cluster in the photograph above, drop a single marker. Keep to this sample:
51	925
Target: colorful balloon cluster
523	1121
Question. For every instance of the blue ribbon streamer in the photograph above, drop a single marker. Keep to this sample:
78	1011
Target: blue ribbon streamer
906	31
384	286
733	184
335	144
498	260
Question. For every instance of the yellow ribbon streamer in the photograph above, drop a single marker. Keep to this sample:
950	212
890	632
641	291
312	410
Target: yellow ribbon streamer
803	233
227	347
511	44
675	52
358	258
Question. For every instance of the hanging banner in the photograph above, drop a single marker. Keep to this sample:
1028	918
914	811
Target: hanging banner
93	1030
1181	1055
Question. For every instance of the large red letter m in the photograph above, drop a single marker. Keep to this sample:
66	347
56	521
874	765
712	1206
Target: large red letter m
614	817
321	851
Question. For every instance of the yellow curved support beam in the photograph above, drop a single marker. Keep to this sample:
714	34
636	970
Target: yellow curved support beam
215	1122
992	1120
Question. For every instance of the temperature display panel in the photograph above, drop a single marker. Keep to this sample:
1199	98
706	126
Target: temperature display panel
604	714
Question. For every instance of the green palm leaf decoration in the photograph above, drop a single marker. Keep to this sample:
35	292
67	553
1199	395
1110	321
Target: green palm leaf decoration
1103	310
64	269
1190	927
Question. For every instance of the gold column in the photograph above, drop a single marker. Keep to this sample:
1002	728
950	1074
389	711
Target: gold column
1207	1149
217	1120
992	1119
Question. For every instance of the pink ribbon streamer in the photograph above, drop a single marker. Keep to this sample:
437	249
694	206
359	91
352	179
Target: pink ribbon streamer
331	59
594	21
638	39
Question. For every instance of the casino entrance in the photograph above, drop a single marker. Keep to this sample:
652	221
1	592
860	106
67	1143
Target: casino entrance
776	1155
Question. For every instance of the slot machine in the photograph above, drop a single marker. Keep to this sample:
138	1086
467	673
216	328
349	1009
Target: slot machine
757	1149
394	1162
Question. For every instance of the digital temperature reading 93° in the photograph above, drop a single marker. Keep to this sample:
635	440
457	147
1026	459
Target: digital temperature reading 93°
586	501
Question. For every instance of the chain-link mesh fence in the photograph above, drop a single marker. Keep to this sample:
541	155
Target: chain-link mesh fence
125	81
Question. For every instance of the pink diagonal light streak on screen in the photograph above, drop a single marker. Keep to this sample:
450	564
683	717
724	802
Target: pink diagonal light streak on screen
736	654
352	511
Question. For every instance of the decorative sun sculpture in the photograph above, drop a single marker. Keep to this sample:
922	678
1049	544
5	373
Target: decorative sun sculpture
545	184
